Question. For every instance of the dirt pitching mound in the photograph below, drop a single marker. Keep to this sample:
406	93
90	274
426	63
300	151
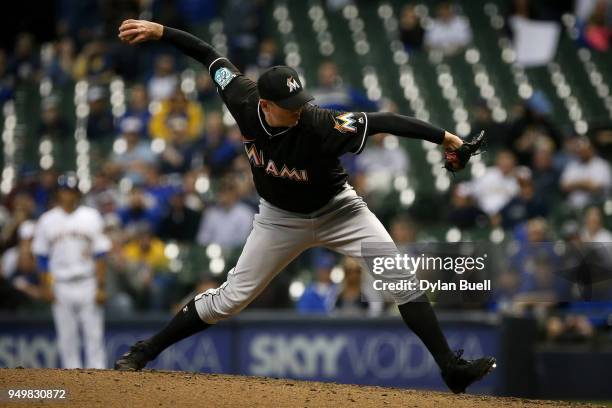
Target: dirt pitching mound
106	388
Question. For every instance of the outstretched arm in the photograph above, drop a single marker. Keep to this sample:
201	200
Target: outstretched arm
234	88
138	31
405	126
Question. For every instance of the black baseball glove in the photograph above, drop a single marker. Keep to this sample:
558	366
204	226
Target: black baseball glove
457	159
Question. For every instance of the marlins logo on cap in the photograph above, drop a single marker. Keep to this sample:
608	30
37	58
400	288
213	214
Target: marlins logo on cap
281	85
292	84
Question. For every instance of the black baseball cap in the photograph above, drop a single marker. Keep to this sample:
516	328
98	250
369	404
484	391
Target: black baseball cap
282	85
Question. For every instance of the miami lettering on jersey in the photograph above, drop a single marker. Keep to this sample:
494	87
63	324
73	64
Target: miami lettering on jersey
257	160
293	174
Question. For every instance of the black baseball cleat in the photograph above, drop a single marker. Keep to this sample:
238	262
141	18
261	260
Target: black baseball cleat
460	373
136	358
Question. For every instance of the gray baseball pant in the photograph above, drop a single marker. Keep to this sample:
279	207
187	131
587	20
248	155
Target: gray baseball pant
279	236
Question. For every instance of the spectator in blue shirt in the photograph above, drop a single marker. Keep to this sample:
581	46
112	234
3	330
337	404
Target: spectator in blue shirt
141	207
138	107
524	206
320	296
219	150
333	94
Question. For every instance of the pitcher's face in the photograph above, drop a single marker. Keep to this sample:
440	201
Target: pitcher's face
280	117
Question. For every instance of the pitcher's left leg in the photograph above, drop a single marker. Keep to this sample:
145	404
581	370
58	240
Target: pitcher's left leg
353	226
353	230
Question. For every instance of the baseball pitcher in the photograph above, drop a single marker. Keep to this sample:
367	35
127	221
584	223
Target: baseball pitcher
293	147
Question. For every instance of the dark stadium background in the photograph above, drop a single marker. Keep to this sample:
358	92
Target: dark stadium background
70	91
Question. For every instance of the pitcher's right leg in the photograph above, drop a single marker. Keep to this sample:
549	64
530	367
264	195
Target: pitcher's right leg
274	242
272	245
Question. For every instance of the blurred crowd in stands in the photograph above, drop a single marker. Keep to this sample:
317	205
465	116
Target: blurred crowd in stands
169	176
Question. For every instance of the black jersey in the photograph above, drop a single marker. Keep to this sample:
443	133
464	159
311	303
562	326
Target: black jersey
297	168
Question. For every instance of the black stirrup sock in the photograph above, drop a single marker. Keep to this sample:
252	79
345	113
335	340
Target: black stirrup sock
420	317
184	324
